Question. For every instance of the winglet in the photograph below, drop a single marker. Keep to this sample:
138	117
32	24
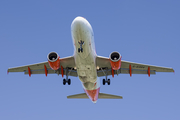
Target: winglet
7	72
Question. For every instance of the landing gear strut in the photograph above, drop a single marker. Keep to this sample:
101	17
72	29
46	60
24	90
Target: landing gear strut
80	43
66	80
106	80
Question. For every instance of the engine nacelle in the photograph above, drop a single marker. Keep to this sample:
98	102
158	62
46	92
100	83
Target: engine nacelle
53	60
115	60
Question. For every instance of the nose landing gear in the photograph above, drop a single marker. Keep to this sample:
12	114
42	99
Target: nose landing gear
80	50
80	43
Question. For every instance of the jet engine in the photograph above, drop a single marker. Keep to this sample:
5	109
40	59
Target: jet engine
53	60
115	60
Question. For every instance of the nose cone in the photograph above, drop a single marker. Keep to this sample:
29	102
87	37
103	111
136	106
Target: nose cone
78	22
79	19
93	94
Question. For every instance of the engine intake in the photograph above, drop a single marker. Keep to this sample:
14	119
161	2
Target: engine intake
53	60
115	60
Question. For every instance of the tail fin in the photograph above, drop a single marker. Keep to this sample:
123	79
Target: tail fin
101	96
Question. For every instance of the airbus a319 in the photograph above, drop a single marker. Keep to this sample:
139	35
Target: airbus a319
87	65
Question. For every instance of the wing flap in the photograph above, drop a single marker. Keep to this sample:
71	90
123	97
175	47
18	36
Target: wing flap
50	71
125	71
135	71
41	71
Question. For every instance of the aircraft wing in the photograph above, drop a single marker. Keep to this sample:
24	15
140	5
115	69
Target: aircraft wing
136	68
39	68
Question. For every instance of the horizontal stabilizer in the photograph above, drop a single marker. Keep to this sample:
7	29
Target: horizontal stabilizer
109	96
101	96
82	95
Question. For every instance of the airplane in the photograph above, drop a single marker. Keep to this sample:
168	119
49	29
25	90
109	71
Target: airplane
87	65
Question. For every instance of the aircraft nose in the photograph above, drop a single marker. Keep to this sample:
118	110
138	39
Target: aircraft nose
78	22
79	19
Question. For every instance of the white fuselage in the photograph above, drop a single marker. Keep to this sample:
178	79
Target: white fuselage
85	61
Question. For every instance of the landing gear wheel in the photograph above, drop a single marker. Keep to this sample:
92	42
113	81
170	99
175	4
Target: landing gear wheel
69	81
79	50
108	81
104	82
64	82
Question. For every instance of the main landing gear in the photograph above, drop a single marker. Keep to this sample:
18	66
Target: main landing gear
106	80
67	80
80	43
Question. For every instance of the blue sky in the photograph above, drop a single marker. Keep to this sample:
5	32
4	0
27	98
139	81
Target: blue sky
142	31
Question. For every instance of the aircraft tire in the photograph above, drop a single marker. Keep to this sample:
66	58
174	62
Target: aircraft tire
79	50
104	82
108	82
64	82
69	81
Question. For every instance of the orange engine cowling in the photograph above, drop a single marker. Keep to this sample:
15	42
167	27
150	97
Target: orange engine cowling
115	60
54	60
